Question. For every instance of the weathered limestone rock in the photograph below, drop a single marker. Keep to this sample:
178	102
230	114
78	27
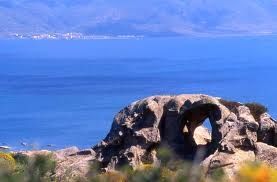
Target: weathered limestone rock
229	162
275	136
139	129
60	154
266	153
71	165
267	130
202	136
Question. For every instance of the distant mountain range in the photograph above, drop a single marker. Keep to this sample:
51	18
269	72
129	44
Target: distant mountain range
139	17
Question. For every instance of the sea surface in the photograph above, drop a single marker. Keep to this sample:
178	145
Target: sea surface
55	94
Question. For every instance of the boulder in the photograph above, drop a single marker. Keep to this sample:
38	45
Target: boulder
266	153
267	130
66	152
202	136
230	162
175	121
71	165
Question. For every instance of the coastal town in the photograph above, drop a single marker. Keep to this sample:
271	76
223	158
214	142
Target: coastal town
68	36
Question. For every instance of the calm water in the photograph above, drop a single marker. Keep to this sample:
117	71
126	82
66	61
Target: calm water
66	92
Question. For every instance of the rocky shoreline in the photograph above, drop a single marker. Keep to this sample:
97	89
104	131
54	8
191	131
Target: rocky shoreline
239	133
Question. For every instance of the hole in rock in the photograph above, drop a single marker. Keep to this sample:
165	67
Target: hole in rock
194	133
202	138
207	124
197	139
199	130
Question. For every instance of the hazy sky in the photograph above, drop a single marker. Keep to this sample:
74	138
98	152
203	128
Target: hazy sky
149	17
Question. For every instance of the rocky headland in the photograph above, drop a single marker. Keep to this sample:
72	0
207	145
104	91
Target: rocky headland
239	132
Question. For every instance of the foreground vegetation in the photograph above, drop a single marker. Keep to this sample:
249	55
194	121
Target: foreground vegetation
20	168
41	168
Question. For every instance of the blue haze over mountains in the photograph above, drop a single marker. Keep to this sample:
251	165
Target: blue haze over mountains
139	17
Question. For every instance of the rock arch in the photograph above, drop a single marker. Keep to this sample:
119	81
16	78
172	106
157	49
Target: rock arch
141	127
195	116
178	125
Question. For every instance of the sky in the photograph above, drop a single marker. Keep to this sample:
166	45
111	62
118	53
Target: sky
139	17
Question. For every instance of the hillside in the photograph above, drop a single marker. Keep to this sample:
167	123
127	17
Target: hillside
148	18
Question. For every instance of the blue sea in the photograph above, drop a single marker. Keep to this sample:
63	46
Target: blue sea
66	93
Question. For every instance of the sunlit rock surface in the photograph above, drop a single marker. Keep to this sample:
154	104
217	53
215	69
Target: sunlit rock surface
175	121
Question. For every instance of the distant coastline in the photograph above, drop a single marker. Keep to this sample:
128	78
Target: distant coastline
68	36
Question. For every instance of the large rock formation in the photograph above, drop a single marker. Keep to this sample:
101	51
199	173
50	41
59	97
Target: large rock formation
236	133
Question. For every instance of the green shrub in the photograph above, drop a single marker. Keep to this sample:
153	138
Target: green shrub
21	159
256	109
39	168
164	154
150	174
218	175
231	105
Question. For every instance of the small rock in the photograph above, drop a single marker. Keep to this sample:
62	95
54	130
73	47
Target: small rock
50	145
5	148
24	144
86	152
67	152
266	153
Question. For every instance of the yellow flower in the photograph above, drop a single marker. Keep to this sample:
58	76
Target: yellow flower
7	161
145	167
167	173
257	173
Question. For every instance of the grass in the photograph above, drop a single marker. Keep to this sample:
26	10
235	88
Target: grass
249	172
171	169
41	168
176	170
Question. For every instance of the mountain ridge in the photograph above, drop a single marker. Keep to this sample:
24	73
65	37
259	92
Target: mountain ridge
148	18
